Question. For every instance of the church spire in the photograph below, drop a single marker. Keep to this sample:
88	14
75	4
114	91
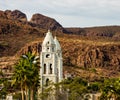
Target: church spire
48	30
48	39
50	61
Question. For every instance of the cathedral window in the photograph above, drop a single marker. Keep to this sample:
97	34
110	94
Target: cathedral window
44	68
50	68
47	55
47	48
47	82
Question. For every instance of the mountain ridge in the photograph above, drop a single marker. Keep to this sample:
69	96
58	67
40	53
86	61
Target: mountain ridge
83	48
44	22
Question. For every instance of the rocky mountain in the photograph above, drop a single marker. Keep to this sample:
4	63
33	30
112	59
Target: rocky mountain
46	23
2	15
42	22
37	21
93	50
15	15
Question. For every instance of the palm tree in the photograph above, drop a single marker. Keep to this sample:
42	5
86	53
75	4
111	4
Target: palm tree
26	75
19	77
33	74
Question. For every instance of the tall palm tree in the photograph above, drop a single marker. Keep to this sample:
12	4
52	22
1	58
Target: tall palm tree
26	75
19	77
33	74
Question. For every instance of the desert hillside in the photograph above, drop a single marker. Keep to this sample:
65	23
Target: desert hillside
112	32
87	52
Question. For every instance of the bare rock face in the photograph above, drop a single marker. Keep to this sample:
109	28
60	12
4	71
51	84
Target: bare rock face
92	56
84	55
2	15
16	15
46	22
34	48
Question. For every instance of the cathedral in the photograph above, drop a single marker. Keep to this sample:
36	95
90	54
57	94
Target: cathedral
50	60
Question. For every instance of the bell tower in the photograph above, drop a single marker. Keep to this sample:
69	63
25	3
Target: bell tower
51	60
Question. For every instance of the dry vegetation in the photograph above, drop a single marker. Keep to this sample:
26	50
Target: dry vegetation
85	50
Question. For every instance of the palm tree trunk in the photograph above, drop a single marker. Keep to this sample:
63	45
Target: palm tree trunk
31	94
22	92
26	91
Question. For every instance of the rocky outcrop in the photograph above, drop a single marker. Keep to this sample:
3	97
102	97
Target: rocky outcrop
103	59
92	56
43	22
84	55
46	23
16	15
2	14
34	48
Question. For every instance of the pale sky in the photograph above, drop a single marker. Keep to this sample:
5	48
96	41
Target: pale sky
70	13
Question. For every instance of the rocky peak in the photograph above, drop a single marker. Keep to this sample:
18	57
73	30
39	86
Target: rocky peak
2	15
16	15
46	22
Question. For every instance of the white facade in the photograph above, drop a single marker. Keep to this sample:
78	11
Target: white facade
51	60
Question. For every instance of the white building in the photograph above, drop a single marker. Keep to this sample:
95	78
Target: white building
51	60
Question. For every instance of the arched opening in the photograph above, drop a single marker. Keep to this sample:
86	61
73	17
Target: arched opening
44	68
50	68
57	74
47	82
47	48
47	55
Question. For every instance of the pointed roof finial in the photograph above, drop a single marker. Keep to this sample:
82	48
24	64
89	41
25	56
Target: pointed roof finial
55	37
48	30
48	38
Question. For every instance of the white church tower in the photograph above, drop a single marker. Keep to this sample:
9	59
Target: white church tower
51	60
